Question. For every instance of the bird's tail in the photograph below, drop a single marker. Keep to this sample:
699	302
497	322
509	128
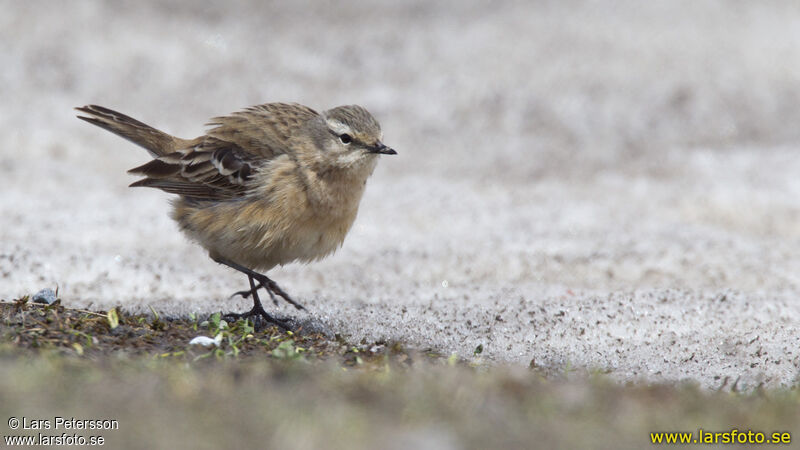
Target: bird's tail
154	141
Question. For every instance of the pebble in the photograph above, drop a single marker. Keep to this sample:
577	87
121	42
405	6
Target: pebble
46	296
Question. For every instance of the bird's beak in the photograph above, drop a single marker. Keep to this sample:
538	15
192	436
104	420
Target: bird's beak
382	149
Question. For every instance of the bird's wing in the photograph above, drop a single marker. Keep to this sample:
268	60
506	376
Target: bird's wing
263	130
223	162
210	170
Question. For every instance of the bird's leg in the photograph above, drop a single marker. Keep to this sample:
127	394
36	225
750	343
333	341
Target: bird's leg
257	311
263	280
248	292
273	289
245	293
271	295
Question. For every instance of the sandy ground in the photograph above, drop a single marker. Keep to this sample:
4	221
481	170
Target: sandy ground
577	185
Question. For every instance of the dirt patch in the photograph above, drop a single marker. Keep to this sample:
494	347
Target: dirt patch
38	327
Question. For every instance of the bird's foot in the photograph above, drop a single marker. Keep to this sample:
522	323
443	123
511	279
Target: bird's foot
248	292
258	315
272	289
263	282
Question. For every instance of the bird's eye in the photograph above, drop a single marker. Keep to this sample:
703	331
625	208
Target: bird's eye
345	138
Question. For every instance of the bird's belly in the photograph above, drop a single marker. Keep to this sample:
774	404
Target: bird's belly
302	243
311	246
261	236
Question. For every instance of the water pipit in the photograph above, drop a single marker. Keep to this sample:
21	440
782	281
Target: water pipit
266	186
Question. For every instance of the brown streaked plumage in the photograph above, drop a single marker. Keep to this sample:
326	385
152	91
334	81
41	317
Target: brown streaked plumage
269	185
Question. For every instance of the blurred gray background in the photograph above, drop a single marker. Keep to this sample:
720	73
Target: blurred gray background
609	185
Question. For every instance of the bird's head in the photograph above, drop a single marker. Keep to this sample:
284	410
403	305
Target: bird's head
349	137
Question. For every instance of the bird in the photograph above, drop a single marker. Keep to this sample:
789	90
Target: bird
265	186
